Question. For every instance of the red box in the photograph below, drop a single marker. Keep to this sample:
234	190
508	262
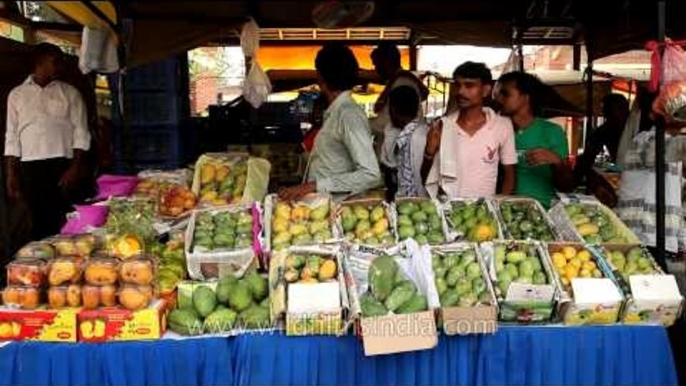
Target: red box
39	325
112	324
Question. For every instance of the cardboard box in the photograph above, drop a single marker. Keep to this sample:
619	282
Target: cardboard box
650	299
524	303
478	319
39	325
390	334
314	309
117	324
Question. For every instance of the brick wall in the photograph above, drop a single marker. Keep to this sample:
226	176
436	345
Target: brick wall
203	92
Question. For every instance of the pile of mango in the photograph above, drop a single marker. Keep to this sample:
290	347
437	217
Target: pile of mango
473	221
366	224
223	231
459	280
593	225
390	291
310	268
517	263
299	224
419	219
635	262
221	183
525	221
236	303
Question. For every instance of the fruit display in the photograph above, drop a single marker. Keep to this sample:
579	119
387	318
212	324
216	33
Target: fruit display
222	231
132	217
77	245
633	261
517	263
135	297
27	298
101	271
64	296
471	220
236	303
459	278
36	250
390	290
573	261
525	219
176	200
94	296
172	264
65	270
125	246
594	225
138	271
26	272
366	222
419	219
221	181
300	223
303	268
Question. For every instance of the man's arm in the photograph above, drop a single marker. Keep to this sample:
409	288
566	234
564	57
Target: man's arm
433	144
366	174
509	180
12	148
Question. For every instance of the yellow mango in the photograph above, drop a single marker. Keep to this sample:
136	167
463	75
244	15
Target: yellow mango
208	173
283	211
588	229
279	225
222	173
297	229
380	227
327	270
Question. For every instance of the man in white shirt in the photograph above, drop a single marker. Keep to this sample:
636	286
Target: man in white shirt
463	149
45	142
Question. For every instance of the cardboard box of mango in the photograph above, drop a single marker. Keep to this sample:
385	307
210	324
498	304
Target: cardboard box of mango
305	222
590	222
367	222
473	220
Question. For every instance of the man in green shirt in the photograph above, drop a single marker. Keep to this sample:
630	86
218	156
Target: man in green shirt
541	145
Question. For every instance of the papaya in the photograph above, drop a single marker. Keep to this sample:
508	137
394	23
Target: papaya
220	320
224	288
254	317
416	304
204	301
381	276
258	286
371	307
241	296
185	321
401	294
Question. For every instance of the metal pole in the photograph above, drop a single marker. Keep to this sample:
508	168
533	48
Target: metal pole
589	93
660	159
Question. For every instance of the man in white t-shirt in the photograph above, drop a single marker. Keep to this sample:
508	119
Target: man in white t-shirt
464	149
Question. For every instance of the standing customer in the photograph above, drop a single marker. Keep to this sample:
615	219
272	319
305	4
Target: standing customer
46	140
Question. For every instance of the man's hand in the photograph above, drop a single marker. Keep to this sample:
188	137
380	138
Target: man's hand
537	157
297	192
13	192
433	138
70	178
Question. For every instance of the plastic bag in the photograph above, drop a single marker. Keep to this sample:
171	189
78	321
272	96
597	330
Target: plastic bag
116	186
86	216
672	98
257	86
250	38
98	51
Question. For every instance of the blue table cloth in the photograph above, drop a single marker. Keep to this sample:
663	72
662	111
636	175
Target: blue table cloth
615	355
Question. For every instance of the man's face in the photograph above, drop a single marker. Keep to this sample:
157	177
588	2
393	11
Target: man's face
511	99
469	92
50	66
382	67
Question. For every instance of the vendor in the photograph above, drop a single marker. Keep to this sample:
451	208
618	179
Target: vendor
342	162
541	144
464	149
386	59
45	142
608	135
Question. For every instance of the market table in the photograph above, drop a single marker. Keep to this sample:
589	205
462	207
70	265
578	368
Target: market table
551	355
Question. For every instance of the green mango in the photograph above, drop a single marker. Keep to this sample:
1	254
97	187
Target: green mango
449	299
320	213
348	222
421	239
435	238
402	293
381	276
418	217
404	220
377	213
407	208
371	307
441	285
405	232
417	303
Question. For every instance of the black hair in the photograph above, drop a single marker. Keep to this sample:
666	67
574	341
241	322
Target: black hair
473	70
404	100
527	84
615	101
43	50
388	51
337	66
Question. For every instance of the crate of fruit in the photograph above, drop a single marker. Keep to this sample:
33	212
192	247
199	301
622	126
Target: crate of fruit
367	222
230	306
474	220
466	294
523	280
222	240
420	219
393	298
307	286
590	293
589	221
230	178
525	219
652	296
305	222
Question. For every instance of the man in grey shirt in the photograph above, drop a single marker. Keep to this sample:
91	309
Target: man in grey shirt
342	162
